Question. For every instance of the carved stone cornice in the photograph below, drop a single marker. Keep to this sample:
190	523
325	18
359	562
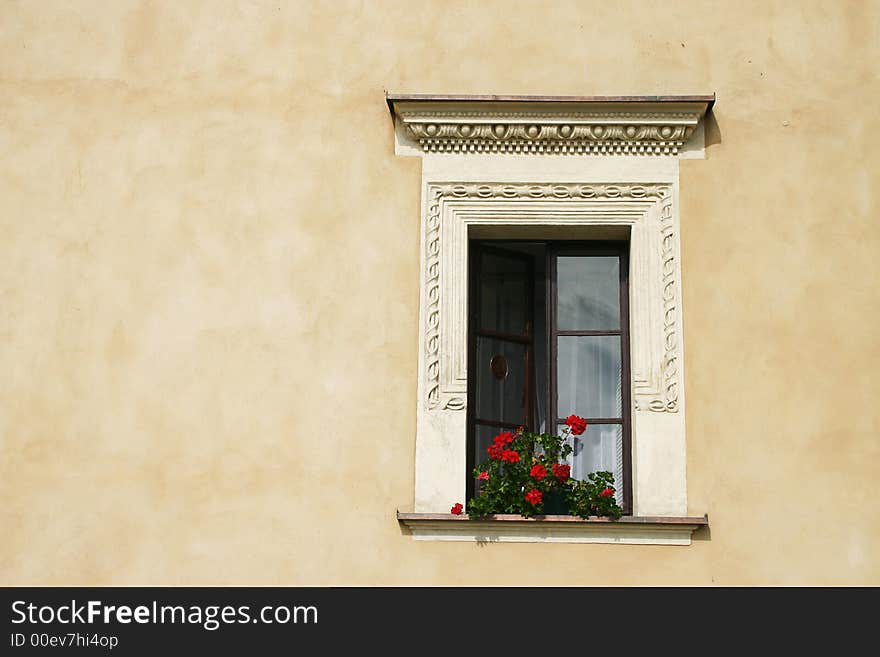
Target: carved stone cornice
648	125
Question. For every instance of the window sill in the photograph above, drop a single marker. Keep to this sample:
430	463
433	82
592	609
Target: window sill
631	530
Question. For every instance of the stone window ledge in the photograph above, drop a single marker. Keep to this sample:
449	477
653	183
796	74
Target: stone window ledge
631	530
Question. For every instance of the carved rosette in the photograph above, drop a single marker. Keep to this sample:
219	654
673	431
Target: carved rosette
657	395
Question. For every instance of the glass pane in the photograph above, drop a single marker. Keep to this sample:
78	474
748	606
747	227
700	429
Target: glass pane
588	380
503	294
588	289
500	380
599	448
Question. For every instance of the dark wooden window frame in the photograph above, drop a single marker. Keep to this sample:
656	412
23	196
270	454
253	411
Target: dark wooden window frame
527	339
621	250
554	249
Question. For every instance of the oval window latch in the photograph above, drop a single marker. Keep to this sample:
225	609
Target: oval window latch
499	368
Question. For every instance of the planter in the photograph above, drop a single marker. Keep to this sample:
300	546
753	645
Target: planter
556	505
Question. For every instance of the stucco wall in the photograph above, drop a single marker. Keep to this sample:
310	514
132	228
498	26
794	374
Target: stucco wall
209	285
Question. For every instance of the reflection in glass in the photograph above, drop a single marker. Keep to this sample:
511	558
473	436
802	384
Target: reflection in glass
503	294
589	377
500	399
588	293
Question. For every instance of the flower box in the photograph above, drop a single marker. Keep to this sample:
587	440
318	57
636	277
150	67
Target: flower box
527	474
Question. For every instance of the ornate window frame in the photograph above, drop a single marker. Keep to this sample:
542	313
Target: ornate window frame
578	167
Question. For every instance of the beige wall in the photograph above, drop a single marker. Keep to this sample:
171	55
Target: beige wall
209	285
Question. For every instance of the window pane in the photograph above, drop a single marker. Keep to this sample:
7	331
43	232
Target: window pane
500	380
588	379
503	294
599	448
588	293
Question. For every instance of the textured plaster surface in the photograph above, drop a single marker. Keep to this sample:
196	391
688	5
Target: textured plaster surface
209	285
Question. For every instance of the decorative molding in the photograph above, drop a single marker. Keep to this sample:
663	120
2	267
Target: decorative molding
669	398
632	530
647	208
596	127
610	170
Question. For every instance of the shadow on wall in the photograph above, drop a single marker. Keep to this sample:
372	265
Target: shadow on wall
712	133
404	530
704	533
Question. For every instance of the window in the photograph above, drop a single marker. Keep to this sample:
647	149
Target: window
548	337
532	184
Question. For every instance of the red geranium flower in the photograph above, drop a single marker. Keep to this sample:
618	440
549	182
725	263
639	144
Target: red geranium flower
534	496
562	471
576	424
503	438
510	456
608	492
538	471
483	476
495	452
456	509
